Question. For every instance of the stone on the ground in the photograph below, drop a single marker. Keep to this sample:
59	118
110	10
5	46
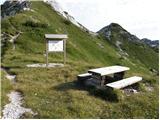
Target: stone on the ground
130	91
149	88
10	77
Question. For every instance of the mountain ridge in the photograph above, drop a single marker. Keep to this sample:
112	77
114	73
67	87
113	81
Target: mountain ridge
152	43
107	32
56	6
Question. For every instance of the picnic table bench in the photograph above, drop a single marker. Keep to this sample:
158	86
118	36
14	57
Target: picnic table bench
125	82
83	77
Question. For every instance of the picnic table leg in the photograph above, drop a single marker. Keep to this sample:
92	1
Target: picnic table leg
119	76
102	80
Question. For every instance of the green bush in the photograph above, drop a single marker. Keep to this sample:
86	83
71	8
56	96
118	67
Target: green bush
142	87
67	22
30	23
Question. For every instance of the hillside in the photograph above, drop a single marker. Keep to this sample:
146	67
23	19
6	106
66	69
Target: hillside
130	46
53	92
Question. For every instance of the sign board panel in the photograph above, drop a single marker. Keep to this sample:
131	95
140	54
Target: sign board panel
55	46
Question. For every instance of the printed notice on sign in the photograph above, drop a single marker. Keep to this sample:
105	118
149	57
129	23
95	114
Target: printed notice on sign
55	46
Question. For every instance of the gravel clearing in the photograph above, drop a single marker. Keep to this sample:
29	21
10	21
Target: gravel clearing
44	65
14	110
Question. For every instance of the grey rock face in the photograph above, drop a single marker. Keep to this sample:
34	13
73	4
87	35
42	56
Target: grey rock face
151	43
10	7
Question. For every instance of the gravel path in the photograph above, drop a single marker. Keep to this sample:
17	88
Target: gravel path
14	110
44	65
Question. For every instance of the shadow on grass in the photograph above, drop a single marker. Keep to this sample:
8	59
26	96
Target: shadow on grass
106	94
8	68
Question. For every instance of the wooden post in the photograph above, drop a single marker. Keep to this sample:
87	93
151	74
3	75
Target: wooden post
46	53
64	57
102	80
119	76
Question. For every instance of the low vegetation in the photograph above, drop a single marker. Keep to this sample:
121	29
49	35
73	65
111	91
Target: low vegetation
34	24
67	22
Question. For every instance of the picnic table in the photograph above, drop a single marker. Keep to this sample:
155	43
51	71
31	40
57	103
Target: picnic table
102	78
101	73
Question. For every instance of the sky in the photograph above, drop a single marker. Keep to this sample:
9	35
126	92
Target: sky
139	17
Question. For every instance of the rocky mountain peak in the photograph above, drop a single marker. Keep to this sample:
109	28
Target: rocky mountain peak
116	33
115	29
116	25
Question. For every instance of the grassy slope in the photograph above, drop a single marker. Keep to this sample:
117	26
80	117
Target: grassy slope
52	92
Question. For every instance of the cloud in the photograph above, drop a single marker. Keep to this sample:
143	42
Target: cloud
2	1
139	17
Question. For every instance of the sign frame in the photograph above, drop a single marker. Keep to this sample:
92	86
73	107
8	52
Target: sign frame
56	37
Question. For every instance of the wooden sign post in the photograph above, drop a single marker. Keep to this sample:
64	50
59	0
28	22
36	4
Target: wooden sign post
55	43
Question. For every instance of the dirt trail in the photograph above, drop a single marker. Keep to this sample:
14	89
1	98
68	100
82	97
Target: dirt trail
14	109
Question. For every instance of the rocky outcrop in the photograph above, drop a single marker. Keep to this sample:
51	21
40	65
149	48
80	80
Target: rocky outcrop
151	43
12	7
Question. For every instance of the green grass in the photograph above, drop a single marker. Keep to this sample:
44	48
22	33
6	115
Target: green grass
6	88
53	92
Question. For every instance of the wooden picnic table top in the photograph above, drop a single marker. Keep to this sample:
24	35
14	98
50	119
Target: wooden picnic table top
108	70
